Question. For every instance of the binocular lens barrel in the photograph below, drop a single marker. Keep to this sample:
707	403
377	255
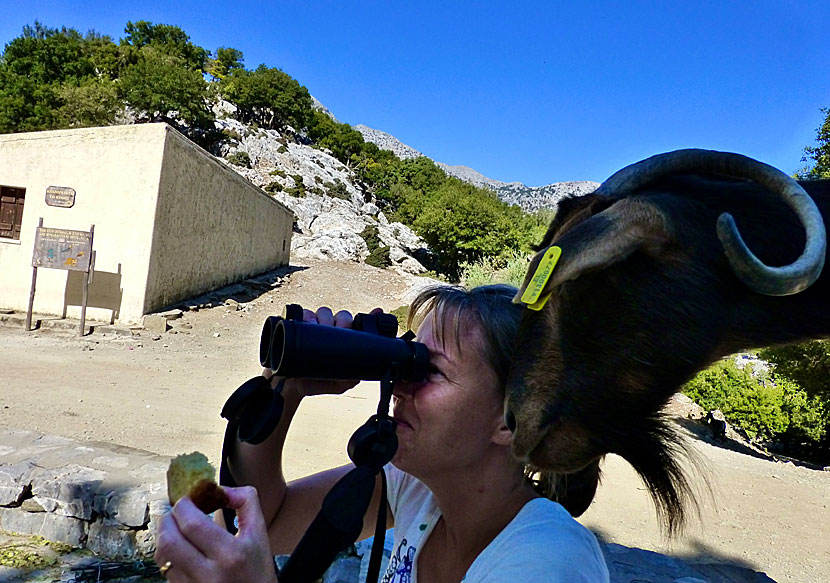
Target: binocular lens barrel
301	350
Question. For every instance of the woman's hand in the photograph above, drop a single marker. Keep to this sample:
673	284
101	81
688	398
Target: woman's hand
195	549
308	387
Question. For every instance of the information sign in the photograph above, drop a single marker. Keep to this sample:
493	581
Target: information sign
62	249
61	196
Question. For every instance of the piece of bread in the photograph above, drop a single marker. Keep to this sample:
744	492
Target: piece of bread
192	475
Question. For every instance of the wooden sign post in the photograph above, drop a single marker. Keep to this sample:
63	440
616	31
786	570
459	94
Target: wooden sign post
62	249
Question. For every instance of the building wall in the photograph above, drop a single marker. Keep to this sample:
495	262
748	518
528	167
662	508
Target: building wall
115	172
212	226
170	220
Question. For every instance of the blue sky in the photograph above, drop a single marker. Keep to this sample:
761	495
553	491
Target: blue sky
537	92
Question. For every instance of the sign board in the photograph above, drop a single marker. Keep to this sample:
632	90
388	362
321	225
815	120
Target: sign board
62	249
61	196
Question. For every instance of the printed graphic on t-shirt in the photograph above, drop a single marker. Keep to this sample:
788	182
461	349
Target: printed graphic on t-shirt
400	564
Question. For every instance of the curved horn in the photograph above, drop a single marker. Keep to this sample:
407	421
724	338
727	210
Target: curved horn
774	281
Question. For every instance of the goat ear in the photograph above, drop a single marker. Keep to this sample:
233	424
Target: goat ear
602	240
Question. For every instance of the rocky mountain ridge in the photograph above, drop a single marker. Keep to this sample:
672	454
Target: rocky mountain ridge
331	210
529	198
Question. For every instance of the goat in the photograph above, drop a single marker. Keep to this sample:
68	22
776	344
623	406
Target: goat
646	293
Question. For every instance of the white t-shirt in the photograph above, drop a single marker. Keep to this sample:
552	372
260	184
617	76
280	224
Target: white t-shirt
542	543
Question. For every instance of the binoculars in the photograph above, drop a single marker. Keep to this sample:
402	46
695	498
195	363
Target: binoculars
369	351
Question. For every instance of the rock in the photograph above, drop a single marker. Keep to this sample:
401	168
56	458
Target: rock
155	324
632	565
757	367
716	421
50	526
172	314
336	245
344	570
533	198
14	482
68	490
370	209
128	507
109	539
32	505
328	225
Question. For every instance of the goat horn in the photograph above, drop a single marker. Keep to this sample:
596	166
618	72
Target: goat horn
774	281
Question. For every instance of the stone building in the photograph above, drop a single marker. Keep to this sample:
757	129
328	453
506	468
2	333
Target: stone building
170	221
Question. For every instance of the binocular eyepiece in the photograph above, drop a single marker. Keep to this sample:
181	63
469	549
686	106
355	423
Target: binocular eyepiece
368	351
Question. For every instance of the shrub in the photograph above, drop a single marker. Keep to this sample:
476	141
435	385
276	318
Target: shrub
240	159
295	191
298	180
433	275
766	406
747	402
282	150
231	135
337	189
273	187
371	235
509	269
401	314
379	258
277	172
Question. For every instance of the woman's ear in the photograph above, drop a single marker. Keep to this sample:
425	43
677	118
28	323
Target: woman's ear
503	436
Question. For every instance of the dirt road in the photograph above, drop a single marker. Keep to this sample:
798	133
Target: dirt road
165	395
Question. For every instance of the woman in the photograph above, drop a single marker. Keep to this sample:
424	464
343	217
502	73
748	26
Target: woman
463	508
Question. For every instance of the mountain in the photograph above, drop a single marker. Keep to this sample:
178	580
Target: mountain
332	213
529	198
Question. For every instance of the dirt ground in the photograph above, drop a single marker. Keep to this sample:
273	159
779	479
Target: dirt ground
164	393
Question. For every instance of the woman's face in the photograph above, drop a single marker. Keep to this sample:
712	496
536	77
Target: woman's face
449	420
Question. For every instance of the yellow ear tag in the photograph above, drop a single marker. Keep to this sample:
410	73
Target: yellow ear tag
540	278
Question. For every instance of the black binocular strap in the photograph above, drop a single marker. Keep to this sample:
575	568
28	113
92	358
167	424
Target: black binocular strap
339	522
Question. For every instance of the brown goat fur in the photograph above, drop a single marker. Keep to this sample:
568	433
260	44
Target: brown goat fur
620	335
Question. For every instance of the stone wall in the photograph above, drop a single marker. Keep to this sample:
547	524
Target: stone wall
109	499
105	498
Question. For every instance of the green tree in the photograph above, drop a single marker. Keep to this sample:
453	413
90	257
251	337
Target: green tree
103	53
346	144
163	87
33	68
167	38
226	60
94	102
268	97
808	364
818	157
462	223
